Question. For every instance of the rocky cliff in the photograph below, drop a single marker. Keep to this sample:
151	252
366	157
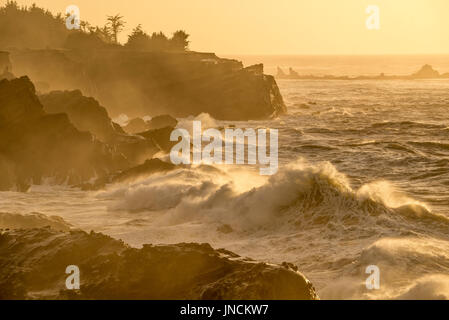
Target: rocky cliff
33	264
84	112
35	145
153	83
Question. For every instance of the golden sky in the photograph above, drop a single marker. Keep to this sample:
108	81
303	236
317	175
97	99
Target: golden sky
281	26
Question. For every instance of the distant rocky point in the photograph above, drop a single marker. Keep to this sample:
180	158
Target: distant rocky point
426	72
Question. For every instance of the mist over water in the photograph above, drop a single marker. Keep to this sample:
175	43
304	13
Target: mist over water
363	178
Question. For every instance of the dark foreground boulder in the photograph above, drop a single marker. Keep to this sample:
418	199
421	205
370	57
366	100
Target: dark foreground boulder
33	264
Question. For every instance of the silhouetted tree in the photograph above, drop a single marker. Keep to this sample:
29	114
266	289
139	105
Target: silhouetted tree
179	41
159	41
138	39
85	26
34	27
115	24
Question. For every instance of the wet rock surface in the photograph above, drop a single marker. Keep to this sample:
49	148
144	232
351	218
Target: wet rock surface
33	264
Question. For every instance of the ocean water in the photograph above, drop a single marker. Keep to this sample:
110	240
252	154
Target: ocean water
363	180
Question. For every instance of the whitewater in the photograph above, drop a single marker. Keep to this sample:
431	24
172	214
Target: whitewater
362	180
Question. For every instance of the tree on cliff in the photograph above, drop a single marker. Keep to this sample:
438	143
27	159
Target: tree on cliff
179	41
159	42
30	27
115	24
104	34
138	39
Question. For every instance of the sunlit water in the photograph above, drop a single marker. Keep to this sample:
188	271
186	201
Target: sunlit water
342	142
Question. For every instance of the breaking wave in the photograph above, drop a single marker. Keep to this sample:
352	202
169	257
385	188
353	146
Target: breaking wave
300	192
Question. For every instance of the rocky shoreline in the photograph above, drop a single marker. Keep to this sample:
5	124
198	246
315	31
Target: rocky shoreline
33	263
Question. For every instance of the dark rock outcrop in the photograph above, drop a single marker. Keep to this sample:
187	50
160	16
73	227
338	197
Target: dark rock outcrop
85	113
152	83
33	264
88	115
136	125
35	145
162	121
149	167
426	72
4	61
160	137
32	220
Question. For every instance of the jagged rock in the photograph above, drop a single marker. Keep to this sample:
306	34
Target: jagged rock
280	73
160	122
34	144
136	125
426	71
149	167
292	73
157	129
84	112
33	264
153	83
160	137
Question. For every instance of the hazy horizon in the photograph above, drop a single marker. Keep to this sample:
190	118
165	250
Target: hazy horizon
231	27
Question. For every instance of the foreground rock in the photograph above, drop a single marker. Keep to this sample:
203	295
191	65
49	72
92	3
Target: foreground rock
33	264
35	145
152	83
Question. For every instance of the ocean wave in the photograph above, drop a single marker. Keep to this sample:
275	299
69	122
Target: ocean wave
301	194
429	287
396	257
